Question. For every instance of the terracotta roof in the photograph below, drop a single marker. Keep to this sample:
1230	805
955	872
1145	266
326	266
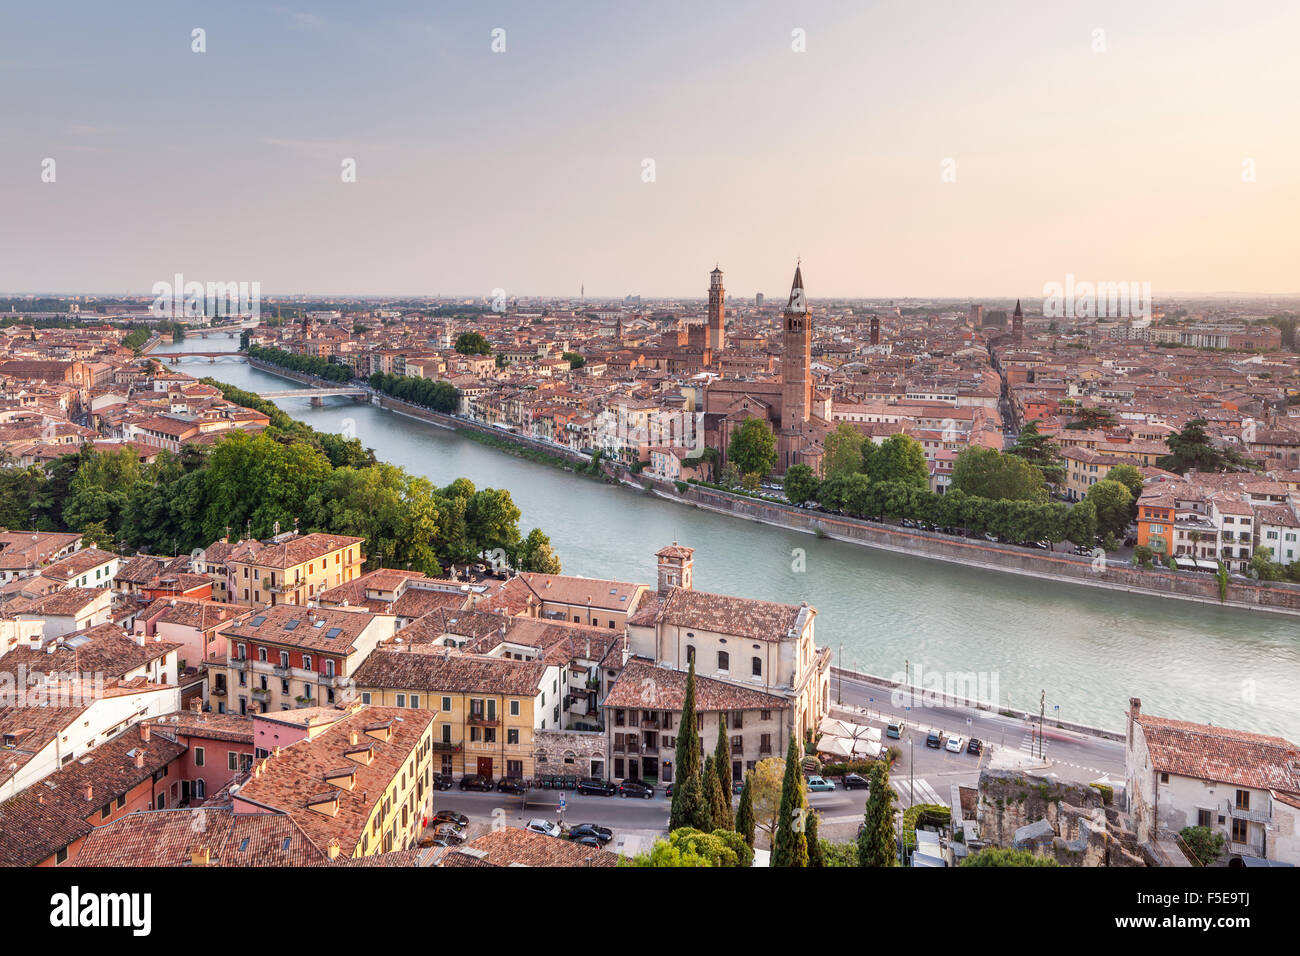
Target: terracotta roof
169	837
290	553
431	671
49	815
512	846
1205	752
103	649
291	625
721	613
643	686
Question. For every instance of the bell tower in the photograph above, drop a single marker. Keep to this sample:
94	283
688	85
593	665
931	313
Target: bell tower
796	374
717	336
676	567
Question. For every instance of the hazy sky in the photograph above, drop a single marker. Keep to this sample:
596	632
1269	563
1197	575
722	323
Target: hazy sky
523	169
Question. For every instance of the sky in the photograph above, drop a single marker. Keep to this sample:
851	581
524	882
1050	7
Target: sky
945	149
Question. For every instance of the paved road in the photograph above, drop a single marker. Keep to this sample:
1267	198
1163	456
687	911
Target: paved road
1073	756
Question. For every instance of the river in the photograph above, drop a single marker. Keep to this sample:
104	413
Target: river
1088	650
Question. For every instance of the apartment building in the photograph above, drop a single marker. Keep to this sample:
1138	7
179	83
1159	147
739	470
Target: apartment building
361	787
486	709
291	568
290	656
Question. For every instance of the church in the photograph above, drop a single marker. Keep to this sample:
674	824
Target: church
798	414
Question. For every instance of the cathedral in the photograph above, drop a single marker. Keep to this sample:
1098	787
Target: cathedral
798	414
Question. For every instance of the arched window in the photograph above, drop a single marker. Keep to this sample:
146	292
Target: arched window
690	653
758	666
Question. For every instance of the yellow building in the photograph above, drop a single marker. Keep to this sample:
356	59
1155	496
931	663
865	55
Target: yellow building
487	707
291	568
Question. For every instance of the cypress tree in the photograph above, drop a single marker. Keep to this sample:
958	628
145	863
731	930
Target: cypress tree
709	790
722	815
745	815
815	857
688	809
790	847
876	843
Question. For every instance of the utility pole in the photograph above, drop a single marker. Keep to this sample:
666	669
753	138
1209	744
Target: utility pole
1042	710
839	697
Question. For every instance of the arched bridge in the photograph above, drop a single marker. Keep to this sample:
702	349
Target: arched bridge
317	394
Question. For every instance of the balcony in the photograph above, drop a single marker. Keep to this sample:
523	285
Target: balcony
262	693
481	720
239	663
445	747
652	724
217	691
280	671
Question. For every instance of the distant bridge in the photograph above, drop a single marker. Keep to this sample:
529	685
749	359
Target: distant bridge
175	357
317	395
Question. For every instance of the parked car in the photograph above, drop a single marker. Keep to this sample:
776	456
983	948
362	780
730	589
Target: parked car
511	785
442	781
955	744
473	781
934	740
668	791
595	831
547	827
584	839
445	835
603	788
454	817
635	788
975	746
820	784
736	787
855	781
895	729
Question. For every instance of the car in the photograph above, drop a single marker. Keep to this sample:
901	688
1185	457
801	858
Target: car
635	788
454	817
955	744
603	788
668	791
448	835
442	781
593	830
934	740
820	784
474	781
736	788
546	827
895	729
855	781
975	746
511	785
584	839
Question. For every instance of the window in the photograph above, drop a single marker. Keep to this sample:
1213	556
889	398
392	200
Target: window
1240	831
690	652
232	760
514	708
401	700
512	736
446	733
61	857
756	667
1203	818
306	662
1164	778
446	704
365	697
724	661
415	701
198	756
1243	799
284	658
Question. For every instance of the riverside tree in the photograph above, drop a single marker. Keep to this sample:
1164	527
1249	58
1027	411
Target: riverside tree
876	844
790	845
753	448
688	807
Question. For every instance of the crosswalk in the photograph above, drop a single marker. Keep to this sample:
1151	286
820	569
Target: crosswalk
1030	744
924	792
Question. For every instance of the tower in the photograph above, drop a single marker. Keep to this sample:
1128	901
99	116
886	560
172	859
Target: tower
676	564
717	336
875	330
796	374
1018	324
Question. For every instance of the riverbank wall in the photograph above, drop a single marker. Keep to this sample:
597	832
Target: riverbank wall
1242	593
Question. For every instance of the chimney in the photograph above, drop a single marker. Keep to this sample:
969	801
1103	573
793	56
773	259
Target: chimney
90	793
139	759
333	849
199	856
352	739
144	732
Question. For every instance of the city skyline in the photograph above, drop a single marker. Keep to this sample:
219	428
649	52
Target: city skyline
1071	150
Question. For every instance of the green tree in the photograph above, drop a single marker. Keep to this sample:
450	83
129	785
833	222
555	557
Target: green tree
899	458
843	452
536	554
709	788
472	343
1090	418
753	447
815	856
1205	845
1040	451
790	846
574	359
688	846
688	806
800	483
1129	477
745	812
1193	449
876	843
1081	524
1114	506
723	818
987	473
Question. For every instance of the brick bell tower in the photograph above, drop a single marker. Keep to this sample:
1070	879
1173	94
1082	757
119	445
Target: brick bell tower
717	336
796	374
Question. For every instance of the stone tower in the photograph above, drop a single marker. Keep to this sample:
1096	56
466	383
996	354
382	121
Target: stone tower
796	375
676	566
1018	324
717	337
